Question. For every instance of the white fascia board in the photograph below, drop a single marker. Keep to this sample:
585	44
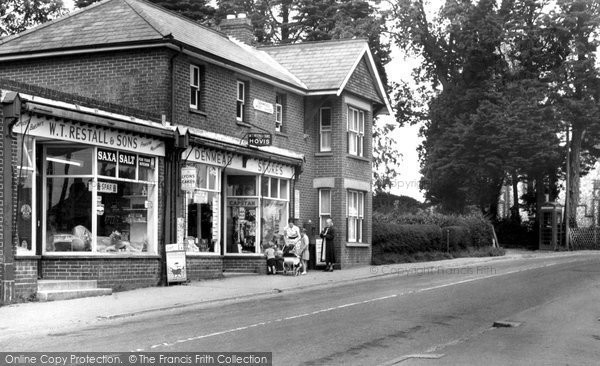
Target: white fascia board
373	69
80	51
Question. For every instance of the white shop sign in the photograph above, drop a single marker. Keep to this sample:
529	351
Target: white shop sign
261	105
89	134
189	176
225	159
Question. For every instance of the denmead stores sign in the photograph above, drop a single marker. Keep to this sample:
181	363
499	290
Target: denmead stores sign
89	134
234	161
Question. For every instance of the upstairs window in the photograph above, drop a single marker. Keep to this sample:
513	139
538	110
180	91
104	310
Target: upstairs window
325	129
241	98
356	131
194	87
278	112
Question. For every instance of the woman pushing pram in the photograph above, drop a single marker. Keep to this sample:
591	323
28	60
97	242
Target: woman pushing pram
291	258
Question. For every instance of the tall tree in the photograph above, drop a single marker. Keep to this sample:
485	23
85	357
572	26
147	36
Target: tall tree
577	85
19	15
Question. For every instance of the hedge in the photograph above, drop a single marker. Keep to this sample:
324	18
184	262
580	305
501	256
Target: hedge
406	239
408	234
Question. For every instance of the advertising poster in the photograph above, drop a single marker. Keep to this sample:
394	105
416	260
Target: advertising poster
176	271
320	252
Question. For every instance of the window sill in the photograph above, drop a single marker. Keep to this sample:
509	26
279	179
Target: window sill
361	158
202	254
197	111
282	134
26	256
243	124
89	255
244	255
327	153
357	245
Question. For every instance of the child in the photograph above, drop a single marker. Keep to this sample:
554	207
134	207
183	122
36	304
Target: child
270	254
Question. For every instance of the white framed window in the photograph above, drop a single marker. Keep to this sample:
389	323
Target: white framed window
202	214
356	204
25	200
99	200
241	100
194	87
278	112
356	131
325	129
324	207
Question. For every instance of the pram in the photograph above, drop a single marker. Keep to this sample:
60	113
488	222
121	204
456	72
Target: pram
291	260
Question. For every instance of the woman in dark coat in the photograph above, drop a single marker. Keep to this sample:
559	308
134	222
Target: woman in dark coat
328	234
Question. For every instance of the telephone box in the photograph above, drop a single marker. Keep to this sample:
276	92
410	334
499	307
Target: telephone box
551	226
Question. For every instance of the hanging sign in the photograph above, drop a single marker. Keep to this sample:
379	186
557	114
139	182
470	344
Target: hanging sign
259	139
200	197
89	134
188	178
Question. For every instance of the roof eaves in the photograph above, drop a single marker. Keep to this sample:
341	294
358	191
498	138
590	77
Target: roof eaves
373	70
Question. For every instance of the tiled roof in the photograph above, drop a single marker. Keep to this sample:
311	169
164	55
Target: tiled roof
320	65
114	22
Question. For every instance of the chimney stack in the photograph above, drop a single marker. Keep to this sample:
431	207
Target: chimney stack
238	27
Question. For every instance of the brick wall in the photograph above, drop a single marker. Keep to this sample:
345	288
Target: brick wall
200	268
116	273
245	264
26	273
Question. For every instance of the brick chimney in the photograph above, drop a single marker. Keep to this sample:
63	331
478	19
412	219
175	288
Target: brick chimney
238	27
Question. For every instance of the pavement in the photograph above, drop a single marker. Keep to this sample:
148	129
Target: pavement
33	317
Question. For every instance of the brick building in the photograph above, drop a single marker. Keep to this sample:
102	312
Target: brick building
126	128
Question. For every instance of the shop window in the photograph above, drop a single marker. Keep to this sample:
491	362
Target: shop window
242	206
202	212
356	131
274	209
26	186
356	202
324	207
241	100
109	208
325	129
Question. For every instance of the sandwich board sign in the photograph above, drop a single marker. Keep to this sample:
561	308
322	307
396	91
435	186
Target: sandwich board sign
176	268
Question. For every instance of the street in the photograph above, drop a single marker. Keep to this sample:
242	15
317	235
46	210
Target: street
427	317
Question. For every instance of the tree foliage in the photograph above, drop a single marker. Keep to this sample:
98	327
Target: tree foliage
495	116
18	15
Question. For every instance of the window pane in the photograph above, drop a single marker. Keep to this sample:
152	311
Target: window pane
283	189
241	185
69	215
273	220
264	186
193	96
202	217
107	162
274	188
146	168
240	95
352	230
212	177
361	199
63	160
240	110
127	165
325	202
352	143
201	171
325	141
325	117
123	224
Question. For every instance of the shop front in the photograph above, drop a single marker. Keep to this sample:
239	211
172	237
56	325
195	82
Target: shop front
88	198
239	204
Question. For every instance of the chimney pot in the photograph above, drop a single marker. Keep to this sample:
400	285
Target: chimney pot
238	27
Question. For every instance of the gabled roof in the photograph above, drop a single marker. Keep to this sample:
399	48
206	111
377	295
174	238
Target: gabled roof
326	66
311	68
125	22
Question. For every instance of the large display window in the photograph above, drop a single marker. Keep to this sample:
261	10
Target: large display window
99	200
274	209
202	211
242	206
26	186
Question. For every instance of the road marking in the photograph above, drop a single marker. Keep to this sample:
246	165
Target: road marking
195	338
